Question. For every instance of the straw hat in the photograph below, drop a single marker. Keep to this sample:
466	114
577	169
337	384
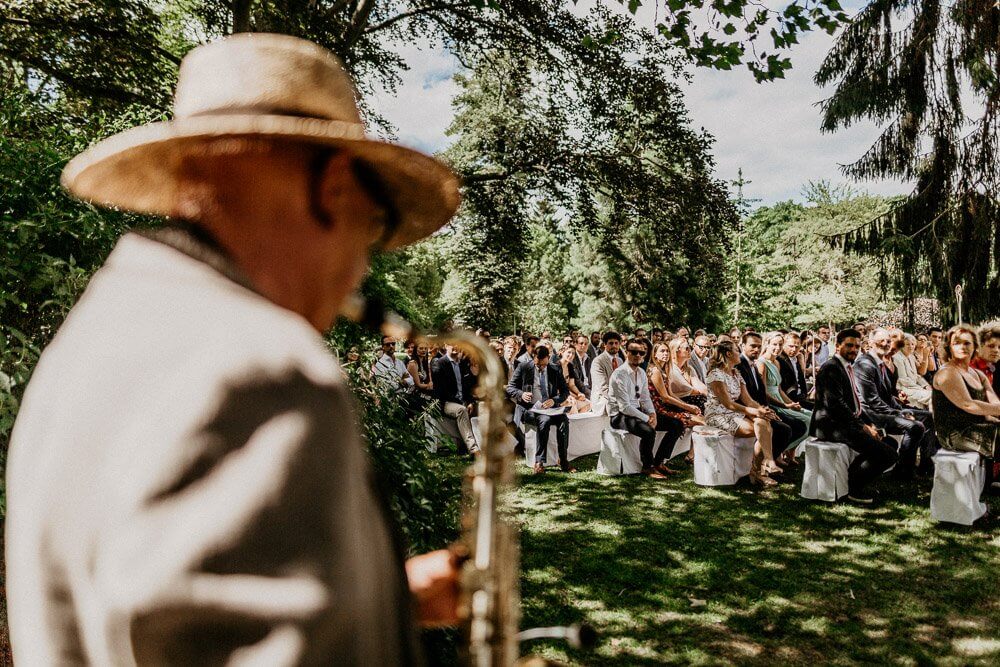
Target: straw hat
259	85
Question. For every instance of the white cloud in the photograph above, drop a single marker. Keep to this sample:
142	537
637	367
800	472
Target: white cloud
769	130
421	108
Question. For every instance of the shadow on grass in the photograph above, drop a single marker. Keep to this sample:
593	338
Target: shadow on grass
669	572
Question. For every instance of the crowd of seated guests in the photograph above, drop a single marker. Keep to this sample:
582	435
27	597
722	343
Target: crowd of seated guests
860	386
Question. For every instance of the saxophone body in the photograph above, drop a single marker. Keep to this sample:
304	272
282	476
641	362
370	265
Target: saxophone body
490	576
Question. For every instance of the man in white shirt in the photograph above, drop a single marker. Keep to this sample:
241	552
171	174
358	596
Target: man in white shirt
823	353
632	410
601	369
390	371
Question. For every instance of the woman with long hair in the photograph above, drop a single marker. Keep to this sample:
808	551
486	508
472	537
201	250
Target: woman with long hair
683	382
668	405
419	368
577	401
511	350
909	381
731	409
966	409
770	372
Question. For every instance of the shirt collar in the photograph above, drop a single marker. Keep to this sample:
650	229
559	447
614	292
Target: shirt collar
199	244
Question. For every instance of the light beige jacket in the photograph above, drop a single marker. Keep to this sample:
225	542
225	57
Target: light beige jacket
186	485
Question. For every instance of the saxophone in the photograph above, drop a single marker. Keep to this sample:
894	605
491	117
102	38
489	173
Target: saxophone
490	595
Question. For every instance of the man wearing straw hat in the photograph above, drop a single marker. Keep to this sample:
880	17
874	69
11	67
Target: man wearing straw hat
186	481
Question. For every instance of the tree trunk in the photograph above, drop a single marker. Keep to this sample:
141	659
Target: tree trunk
241	15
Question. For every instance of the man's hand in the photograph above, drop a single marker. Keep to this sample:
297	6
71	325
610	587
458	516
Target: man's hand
794	405
433	579
526	397
652	419
872	431
548	404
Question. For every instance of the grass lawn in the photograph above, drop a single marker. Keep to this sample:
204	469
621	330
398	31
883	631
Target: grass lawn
669	572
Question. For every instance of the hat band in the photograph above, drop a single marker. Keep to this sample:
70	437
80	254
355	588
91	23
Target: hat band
265	111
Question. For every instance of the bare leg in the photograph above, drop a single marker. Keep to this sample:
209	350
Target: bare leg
763	457
762	429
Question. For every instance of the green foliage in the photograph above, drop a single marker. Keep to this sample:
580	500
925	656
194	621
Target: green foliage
608	145
50	243
545	295
929	72
595	301
423	492
791	276
716	33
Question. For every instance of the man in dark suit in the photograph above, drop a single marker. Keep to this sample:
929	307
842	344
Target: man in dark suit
878	397
783	432
793	375
582	362
537	384
451	387
838	416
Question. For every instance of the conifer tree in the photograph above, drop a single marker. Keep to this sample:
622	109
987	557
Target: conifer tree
931	70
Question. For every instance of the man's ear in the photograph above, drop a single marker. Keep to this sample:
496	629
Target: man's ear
330	189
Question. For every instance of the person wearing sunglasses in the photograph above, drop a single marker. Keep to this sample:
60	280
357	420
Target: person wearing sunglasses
631	409
701	351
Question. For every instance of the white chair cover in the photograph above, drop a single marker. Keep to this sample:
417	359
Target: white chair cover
719	458
958	481
531	445
439	432
584	438
683	444
619	453
744	456
825	476
585	433
509	442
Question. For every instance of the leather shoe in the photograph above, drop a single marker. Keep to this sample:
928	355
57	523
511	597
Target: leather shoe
663	469
539	469
653	473
565	467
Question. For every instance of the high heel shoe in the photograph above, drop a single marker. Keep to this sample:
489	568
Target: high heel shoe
758	475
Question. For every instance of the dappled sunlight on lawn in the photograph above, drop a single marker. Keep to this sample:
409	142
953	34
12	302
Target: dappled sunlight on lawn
672	573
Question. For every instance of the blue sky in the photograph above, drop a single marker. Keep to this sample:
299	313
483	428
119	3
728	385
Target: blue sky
769	130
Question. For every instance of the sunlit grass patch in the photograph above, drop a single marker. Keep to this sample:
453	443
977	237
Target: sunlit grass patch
672	573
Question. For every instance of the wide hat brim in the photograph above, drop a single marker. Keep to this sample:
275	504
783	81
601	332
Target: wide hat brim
137	170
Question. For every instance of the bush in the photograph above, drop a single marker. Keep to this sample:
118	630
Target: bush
422	489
